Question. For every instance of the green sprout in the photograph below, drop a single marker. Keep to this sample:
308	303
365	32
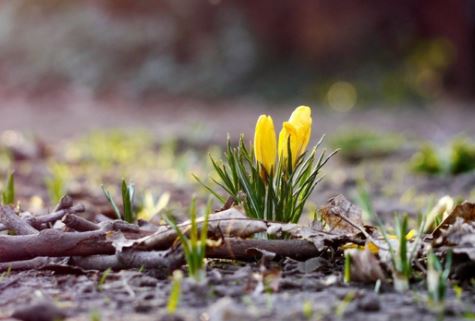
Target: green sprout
8	194
103	278
6	273
57	181
151	206
128	192
95	315
401	257
307	310
347	269
174	298
401	262
438	276
343	305
194	246
455	159
282	196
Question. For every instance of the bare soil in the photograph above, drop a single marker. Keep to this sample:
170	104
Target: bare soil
297	291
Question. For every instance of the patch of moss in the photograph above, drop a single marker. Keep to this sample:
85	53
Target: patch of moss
358	145
457	158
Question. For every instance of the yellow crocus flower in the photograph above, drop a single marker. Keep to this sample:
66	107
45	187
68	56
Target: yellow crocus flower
265	144
298	129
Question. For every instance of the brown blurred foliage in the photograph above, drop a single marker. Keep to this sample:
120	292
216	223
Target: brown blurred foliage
212	46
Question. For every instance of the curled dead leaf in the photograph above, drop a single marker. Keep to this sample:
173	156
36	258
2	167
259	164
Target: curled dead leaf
342	216
465	211
365	266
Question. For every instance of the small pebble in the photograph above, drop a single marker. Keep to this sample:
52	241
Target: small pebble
43	311
171	317
370	302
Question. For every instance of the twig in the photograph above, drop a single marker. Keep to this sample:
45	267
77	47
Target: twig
39	221
239	249
123	226
160	260
54	243
35	263
65	202
14	222
79	224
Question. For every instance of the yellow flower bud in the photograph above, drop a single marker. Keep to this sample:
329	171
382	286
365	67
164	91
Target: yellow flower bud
265	144
298	129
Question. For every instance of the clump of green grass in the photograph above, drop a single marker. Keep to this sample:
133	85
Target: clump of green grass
128	192
8	193
457	158
358	145
194	246
107	148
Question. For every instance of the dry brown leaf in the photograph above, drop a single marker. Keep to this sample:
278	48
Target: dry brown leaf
228	223
465	211
233	223
339	212
365	266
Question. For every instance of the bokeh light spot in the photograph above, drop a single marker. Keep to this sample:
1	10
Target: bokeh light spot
342	96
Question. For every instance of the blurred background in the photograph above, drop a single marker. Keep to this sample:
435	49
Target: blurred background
337	53
95	90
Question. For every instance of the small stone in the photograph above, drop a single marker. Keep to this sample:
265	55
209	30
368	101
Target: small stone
226	309
171	317
43	311
370	302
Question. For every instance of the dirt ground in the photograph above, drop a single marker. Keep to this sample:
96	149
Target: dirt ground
312	291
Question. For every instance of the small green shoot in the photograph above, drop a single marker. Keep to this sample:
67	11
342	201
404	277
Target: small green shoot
6	273
56	182
437	277
377	286
401	257
194	246
103	279
402	263
151	207
174	298
307	309
128	192
364	201
95	315
458	291
112	202
341	308
347	269
8	194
